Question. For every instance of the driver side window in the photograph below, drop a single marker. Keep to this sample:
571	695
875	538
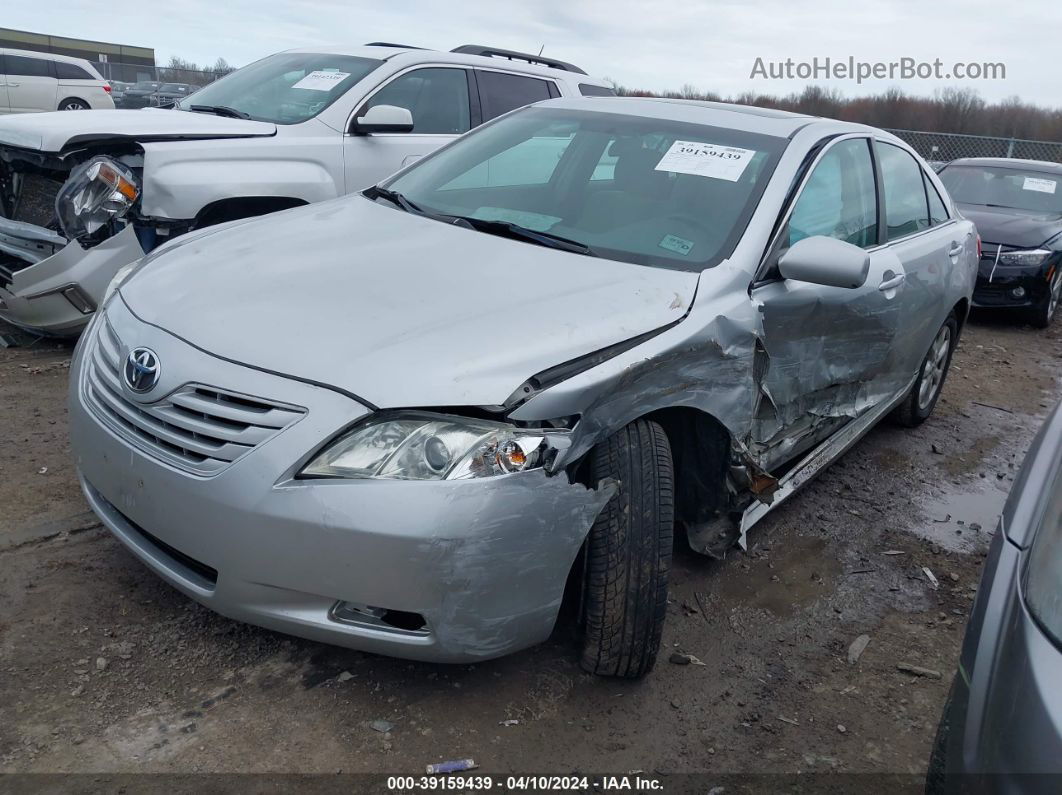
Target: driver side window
437	98
839	199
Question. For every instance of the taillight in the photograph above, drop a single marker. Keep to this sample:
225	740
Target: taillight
107	88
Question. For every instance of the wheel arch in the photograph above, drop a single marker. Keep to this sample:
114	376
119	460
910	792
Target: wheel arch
237	207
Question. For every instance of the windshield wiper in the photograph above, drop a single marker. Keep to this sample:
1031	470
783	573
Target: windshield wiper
396	198
523	233
220	110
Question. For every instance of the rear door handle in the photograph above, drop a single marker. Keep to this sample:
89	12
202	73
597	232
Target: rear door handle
891	284
955	250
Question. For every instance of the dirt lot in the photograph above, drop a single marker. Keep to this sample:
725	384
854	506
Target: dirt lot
104	668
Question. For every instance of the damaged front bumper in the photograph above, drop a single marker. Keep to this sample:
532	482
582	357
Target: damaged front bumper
51	286
442	571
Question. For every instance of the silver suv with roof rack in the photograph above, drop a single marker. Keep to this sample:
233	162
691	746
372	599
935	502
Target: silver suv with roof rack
82	195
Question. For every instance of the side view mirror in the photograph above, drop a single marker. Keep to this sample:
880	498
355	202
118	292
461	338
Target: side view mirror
383	119
827	261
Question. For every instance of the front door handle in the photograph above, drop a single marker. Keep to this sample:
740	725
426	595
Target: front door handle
891	284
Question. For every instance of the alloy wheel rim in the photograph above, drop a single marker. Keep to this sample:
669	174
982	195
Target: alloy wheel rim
933	368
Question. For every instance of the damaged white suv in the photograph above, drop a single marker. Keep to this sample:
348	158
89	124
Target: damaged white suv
81	195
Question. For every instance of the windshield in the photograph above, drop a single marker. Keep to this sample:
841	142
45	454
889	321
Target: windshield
642	190
1005	186
286	88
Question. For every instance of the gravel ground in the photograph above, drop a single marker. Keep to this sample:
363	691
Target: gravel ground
104	668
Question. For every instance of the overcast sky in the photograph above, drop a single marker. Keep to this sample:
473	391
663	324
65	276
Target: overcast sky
654	44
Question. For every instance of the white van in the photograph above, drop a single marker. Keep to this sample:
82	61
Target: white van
31	82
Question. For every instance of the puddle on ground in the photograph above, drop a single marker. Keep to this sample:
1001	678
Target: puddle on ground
794	574
961	521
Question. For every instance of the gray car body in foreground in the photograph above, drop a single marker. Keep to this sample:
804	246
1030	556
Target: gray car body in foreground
355	308
1002	726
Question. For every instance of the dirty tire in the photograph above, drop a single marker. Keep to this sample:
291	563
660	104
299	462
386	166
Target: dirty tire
914	410
73	104
936	776
628	553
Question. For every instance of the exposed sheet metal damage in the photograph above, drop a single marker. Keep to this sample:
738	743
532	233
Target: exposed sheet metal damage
726	370
555	516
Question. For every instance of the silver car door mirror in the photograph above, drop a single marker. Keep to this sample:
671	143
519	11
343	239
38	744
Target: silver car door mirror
383	119
827	261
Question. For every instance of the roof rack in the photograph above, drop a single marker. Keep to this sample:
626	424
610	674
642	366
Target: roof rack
494	52
390	44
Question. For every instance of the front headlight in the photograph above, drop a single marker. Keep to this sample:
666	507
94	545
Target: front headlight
119	277
1043	574
1025	258
97	191
422	446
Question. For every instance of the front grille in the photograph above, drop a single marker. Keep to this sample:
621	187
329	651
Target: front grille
201	429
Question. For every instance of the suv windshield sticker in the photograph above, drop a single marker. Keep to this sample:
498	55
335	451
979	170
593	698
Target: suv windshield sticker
677	244
706	160
1041	185
321	80
529	220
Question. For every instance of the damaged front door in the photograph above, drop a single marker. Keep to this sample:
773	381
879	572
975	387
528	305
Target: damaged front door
824	357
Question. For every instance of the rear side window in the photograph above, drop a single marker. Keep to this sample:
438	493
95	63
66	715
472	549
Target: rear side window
501	93
938	213
906	210
839	199
588	90
69	71
437	98
28	67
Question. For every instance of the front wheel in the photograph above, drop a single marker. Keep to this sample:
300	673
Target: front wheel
628	553
919	403
1041	315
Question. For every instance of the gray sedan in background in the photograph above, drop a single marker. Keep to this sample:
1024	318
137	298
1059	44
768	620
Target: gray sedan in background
409	420
1002	725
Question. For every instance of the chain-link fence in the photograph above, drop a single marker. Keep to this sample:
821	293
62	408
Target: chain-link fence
951	146
140	73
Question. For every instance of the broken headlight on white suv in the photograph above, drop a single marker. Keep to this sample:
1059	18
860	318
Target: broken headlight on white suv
423	446
97	192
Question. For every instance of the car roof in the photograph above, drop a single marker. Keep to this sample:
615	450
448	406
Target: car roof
747	118
1010	162
48	56
413	55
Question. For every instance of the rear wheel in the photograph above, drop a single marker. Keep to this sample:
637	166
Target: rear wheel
73	104
1041	315
919	403
628	553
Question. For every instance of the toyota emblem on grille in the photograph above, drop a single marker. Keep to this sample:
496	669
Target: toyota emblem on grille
141	369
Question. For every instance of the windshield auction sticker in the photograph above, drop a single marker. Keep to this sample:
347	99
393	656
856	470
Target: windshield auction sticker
706	160
322	81
1041	185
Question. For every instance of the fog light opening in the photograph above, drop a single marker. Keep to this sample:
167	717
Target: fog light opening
379	617
81	302
1018	292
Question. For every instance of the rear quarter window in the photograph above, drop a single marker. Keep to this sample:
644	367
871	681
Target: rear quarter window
69	71
588	90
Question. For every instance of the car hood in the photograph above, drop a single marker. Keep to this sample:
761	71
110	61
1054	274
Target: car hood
398	309
1010	227
51	132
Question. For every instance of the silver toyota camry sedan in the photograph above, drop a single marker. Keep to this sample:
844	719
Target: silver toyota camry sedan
410	420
